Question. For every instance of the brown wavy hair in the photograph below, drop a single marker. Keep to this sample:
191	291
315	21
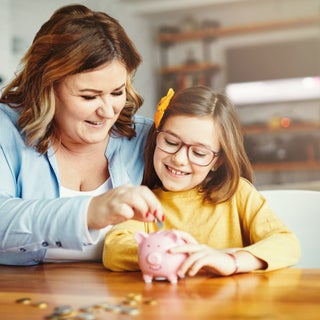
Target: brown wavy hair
75	39
233	163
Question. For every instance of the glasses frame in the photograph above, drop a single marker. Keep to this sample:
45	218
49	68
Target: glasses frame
214	153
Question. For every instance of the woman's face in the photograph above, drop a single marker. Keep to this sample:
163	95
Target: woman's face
89	103
175	171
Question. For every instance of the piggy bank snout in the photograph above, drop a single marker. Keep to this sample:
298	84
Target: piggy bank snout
154	257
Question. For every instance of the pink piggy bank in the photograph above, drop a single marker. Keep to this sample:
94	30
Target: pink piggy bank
153	257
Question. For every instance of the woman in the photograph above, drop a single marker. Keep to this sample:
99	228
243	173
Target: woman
71	147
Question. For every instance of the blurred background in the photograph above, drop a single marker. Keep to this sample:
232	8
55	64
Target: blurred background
265	54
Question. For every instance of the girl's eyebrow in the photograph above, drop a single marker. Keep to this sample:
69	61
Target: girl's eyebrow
192	144
99	91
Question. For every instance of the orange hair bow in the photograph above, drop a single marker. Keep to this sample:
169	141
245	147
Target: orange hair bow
162	106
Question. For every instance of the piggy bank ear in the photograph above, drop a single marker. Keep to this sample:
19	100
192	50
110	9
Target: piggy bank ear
175	235
184	236
140	236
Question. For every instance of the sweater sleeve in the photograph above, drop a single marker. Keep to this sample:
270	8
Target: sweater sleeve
120	251
278	250
269	238
29	225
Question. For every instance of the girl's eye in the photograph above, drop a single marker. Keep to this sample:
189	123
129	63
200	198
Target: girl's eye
199	155
88	97
200	152
171	142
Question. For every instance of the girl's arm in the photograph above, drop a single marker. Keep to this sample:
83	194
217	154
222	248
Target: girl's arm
120	251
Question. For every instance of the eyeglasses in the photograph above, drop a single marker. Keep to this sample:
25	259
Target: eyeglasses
197	154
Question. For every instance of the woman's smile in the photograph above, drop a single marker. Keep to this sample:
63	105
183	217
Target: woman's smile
96	123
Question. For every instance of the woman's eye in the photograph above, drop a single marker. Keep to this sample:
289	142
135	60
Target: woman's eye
88	97
117	93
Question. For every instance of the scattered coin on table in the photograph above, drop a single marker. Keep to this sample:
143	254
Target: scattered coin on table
129	305
24	300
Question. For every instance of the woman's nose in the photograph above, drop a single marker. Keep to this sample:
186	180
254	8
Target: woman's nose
106	109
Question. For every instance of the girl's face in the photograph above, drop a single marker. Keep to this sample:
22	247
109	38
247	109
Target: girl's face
175	171
89	103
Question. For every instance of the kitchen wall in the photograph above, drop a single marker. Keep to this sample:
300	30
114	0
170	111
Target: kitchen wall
142	19
20	19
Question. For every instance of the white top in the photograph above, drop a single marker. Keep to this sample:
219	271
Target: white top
94	240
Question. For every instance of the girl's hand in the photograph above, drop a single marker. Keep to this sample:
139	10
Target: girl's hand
123	203
187	237
203	256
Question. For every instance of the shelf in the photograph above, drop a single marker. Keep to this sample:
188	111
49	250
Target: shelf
212	33
190	68
287	166
310	161
297	127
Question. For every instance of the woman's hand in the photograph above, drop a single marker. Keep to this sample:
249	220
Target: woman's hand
123	203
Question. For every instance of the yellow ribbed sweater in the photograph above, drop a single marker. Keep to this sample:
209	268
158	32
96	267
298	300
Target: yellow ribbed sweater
245	221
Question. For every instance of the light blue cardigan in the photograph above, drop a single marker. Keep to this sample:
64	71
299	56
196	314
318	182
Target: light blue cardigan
32	216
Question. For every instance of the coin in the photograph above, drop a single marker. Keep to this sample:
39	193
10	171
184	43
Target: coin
64	311
130	310
151	302
134	296
85	316
24	300
40	305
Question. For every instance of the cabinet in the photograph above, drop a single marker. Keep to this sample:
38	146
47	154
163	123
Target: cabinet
285	147
292	148
191	71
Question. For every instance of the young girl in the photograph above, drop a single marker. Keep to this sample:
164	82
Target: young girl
201	174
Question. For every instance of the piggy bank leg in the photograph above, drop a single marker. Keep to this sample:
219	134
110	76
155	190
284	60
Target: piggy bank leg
173	279
147	278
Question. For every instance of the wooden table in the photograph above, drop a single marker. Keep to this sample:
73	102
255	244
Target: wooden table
285	294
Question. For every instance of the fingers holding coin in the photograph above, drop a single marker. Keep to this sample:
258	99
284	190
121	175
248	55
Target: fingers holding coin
146	206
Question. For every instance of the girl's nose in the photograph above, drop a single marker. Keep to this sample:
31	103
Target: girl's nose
181	156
